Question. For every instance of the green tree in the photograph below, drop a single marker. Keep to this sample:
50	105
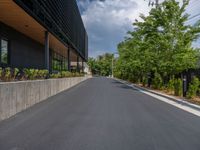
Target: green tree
160	43
102	65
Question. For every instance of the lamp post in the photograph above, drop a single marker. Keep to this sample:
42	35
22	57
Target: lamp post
113	63
112	66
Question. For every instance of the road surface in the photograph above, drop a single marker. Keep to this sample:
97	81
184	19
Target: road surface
101	114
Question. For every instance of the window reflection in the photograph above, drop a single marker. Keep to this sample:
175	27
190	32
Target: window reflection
59	62
4	51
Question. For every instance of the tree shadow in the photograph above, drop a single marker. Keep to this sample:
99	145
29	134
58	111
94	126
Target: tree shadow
123	86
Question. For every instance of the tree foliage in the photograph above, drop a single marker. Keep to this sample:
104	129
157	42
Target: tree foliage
193	88
160	44
102	65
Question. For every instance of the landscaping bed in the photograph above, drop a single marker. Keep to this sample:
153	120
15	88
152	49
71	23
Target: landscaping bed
15	74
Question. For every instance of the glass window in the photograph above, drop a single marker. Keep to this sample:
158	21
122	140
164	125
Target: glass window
4	51
59	62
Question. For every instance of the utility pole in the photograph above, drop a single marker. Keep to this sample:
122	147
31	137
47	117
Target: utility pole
153	3
157	3
112	65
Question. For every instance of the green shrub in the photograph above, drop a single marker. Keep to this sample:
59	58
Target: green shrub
131	79
77	74
30	73
62	74
15	73
26	73
7	74
66	74
35	74
193	88
178	85
45	74
56	75
144	81
42	74
170	85
80	75
1	73
157	81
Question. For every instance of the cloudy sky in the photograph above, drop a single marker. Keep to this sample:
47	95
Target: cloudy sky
107	21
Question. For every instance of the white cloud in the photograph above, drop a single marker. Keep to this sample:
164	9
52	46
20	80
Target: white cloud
107	21
194	11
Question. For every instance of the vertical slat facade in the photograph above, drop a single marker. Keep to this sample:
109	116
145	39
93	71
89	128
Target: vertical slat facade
62	18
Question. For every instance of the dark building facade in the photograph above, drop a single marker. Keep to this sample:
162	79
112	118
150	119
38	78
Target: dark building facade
43	34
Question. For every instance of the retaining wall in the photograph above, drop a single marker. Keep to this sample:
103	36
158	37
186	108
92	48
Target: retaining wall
18	96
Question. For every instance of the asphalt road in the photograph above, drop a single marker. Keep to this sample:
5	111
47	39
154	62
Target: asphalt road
101	114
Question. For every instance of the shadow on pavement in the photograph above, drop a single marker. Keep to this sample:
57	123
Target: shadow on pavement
121	85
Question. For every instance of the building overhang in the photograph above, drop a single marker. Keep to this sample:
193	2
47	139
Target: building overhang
14	16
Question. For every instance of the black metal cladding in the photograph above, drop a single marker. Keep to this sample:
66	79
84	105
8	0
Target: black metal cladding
62	18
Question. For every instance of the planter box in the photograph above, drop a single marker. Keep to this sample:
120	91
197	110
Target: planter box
18	96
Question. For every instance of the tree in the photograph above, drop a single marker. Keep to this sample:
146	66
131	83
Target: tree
101	65
161	43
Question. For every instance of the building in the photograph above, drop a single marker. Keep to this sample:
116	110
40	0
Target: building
87	69
42	34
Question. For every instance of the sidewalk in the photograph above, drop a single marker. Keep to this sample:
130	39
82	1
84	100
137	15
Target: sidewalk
169	97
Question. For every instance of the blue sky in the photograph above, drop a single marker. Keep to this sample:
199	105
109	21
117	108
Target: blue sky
107	21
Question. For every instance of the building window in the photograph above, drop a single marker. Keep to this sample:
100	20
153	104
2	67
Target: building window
59	62
4	51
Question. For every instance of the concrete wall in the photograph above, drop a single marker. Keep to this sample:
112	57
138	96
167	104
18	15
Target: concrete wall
18	96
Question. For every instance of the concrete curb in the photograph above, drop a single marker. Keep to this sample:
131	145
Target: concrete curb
178	101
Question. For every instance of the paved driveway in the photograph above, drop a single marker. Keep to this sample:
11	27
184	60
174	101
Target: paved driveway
101	114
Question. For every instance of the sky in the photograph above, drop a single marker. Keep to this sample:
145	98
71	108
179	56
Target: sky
108	21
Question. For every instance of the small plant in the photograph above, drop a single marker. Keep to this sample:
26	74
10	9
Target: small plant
42	74
178	87
65	74
26	73
35	74
193	88
56	75
157	81
15	73
170	85
45	74
30	73
7	74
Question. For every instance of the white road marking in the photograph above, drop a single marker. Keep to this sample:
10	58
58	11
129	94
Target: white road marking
183	107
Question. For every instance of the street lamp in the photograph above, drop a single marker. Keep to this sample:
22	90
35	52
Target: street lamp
113	63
